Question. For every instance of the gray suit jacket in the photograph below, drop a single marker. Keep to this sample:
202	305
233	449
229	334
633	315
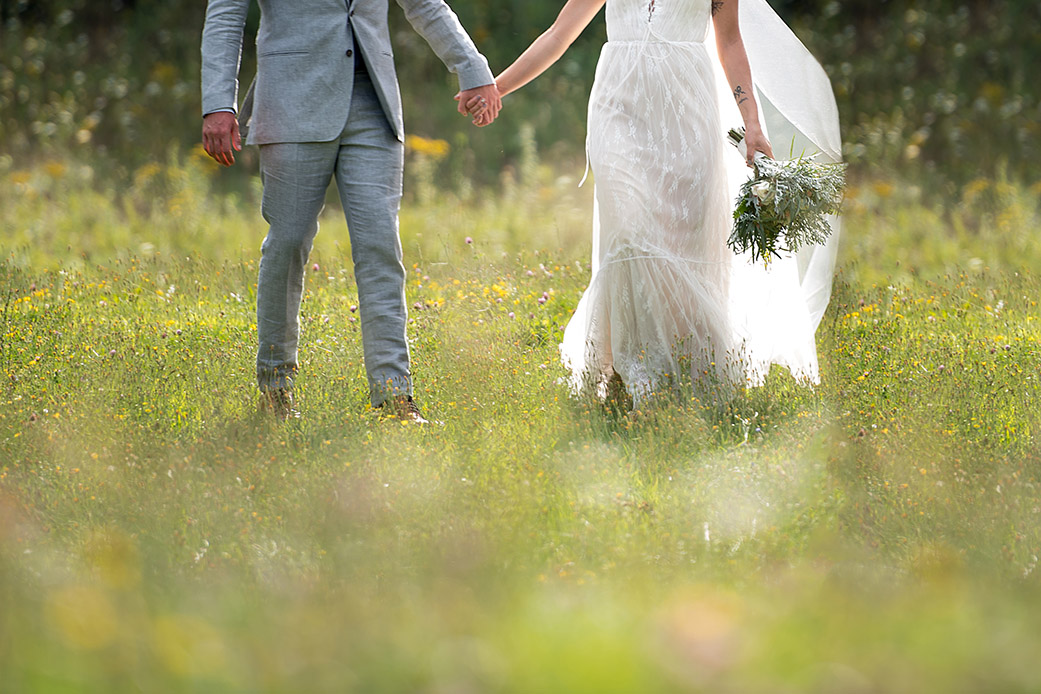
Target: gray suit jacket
304	64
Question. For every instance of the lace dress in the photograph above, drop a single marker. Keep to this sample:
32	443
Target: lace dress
667	297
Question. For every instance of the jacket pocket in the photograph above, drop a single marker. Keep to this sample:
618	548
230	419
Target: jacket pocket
271	54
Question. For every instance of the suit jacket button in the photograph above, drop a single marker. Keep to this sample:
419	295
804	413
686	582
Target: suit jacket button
349	52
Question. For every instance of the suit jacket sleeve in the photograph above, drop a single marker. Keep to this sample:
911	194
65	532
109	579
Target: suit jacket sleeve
439	26
222	53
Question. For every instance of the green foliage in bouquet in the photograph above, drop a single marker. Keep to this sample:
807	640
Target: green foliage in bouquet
784	206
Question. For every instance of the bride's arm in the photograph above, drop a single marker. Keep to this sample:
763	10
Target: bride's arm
547	49
543	52
735	64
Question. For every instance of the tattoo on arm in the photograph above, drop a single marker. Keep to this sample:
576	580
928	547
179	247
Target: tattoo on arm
740	94
717	5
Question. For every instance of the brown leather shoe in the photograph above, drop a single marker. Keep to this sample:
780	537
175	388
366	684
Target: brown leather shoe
403	407
279	403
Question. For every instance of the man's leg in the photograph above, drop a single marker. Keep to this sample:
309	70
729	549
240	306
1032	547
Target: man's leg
368	173
295	177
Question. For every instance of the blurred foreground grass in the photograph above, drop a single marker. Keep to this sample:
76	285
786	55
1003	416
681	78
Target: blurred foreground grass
878	533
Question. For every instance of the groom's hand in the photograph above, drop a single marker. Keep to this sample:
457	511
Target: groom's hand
482	103
220	136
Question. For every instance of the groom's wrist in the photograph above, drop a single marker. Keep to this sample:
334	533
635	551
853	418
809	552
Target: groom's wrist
474	77
219	110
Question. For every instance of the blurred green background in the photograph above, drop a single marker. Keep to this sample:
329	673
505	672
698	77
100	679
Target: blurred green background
935	87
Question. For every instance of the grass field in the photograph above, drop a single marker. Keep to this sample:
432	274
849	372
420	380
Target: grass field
879	533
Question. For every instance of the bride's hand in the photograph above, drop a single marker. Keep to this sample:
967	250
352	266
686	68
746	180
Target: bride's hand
482	104
755	141
476	109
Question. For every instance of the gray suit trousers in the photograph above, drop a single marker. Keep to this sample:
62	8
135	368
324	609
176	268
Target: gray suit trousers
367	162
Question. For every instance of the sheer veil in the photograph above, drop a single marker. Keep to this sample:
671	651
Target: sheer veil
776	310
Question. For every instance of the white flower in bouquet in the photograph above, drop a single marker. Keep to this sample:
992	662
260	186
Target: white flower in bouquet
763	190
784	206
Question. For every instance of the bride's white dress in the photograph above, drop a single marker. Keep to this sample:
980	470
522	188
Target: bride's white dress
667	295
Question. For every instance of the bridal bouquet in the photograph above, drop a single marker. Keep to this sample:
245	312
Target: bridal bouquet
784	205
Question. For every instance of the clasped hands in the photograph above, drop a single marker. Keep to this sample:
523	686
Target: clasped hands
482	104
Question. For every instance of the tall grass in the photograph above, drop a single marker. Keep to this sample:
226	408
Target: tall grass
877	533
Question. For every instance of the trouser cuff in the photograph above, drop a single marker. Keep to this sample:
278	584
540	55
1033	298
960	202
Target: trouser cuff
380	390
280	378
